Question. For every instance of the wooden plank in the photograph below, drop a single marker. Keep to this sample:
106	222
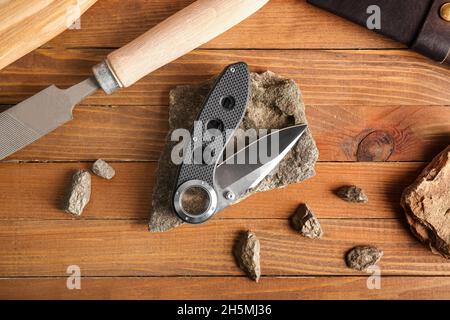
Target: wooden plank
281	24
111	242
126	248
408	133
206	288
326	77
28	24
378	134
42	186
135	133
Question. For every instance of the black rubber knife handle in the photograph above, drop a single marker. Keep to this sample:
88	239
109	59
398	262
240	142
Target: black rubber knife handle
219	118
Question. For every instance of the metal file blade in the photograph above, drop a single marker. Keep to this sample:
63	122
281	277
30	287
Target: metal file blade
37	116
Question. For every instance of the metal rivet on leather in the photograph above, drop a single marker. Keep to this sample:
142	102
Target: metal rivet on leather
445	12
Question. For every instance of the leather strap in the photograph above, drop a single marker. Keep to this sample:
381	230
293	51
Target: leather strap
434	37
415	23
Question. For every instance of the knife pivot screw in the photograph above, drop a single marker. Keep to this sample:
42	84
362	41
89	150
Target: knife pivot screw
232	70
229	195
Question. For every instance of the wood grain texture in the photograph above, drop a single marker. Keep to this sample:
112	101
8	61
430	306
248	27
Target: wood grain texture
127	248
207	288
13	12
28	24
179	34
326	77
416	133
383	103
282	24
128	195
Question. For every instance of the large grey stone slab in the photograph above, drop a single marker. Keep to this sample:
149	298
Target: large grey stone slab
275	102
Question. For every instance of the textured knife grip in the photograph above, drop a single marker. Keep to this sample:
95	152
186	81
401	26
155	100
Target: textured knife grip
232	85
223	111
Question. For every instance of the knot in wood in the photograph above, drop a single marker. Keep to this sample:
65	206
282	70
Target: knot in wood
376	146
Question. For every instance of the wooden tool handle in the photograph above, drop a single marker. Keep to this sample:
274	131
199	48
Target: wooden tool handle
27	24
181	33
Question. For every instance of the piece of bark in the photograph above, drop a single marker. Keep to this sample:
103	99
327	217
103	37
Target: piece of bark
306	223
103	169
275	102
79	194
427	205
363	257
352	194
247	254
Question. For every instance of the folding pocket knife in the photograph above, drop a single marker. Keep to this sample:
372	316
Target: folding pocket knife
209	179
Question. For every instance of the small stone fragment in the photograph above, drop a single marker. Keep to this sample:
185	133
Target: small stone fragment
247	251
352	194
363	257
427	205
80	193
103	169
305	222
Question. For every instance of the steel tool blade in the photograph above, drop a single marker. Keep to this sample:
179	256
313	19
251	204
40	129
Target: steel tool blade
166	42
240	178
37	116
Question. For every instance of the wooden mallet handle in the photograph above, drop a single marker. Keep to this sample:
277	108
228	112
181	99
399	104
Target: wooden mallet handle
28	24
181	33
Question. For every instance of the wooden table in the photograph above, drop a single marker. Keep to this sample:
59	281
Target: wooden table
367	98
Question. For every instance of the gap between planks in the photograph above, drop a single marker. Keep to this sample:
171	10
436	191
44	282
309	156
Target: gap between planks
118	248
298	25
129	193
326	77
138	133
330	287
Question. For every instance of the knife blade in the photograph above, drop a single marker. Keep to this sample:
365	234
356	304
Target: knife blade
174	37
240	178
204	190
